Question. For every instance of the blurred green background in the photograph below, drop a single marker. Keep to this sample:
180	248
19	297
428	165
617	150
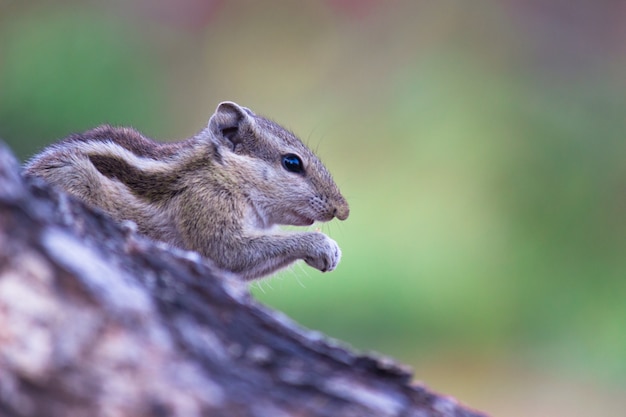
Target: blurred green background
481	145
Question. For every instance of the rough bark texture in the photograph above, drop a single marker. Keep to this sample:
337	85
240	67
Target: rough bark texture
97	321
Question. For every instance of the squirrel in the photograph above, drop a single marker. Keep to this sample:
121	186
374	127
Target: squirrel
220	193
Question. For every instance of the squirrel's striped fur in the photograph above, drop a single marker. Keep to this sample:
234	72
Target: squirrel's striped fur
219	193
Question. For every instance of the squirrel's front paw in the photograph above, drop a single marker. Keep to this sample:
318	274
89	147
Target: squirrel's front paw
325	253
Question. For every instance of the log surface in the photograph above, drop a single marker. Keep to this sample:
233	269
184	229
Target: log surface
98	321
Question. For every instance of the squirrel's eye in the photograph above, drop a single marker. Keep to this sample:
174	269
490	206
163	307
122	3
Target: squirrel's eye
293	163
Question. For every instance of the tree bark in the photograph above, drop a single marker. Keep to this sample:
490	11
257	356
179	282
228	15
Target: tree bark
98	321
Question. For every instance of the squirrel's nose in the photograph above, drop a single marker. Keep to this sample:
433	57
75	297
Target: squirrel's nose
342	211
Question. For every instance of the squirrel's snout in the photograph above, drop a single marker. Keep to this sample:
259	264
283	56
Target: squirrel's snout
342	211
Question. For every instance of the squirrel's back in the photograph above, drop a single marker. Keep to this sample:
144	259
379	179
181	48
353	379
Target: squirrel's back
97	166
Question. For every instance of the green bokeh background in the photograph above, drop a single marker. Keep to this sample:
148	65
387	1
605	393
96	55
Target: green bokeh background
481	145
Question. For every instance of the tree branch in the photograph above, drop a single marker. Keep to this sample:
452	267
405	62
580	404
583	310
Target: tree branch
98	321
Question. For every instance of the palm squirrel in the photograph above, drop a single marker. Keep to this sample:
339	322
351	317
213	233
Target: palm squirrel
220	192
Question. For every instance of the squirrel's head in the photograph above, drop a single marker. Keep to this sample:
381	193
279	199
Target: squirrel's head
283	179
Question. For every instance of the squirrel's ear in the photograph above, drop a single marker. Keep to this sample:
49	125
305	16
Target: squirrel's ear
227	122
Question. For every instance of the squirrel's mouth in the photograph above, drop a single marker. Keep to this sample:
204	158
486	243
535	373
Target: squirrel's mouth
304	221
300	220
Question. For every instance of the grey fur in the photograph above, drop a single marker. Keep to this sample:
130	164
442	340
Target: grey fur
220	192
